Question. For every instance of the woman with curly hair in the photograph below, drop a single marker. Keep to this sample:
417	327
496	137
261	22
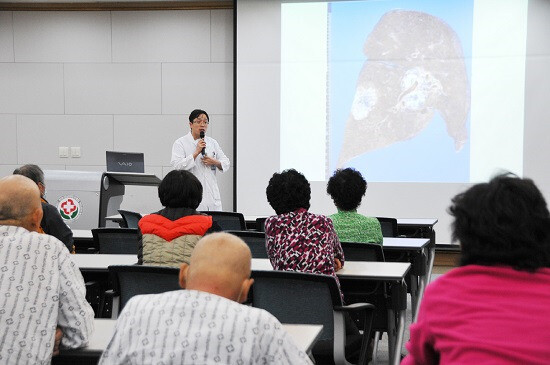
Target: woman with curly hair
346	188
495	307
297	240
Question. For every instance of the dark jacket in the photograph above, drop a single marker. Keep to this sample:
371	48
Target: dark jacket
54	225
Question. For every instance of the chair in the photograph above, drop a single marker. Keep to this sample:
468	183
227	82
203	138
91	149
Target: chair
295	297
358	251
255	241
389	226
358	291
129	219
131	280
228	221
260	224
116	240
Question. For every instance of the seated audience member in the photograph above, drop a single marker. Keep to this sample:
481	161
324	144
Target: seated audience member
51	223
40	286
297	240
205	323
346	188
168	236
494	308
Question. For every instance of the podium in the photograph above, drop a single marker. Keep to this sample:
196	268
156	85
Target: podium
85	198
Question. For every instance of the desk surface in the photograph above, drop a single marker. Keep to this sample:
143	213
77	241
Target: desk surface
352	269
427	222
369	270
102	261
404	243
304	335
82	234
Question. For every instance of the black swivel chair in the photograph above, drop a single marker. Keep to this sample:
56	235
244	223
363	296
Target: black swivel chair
357	251
255	241
228	221
359	291
116	240
304	298
389	226
129	219
260	224
131	280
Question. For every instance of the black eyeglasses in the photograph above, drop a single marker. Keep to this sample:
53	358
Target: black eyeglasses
201	121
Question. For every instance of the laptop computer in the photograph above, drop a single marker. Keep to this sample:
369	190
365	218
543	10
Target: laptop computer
125	161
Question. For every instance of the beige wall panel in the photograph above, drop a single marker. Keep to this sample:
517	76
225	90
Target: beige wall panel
61	36
187	86
40	137
222	36
29	88
112	88
153	135
161	36
221	129
6	37
8	147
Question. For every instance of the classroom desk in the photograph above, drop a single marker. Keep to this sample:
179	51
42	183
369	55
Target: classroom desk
304	335
388	272
84	241
82	234
411	250
420	228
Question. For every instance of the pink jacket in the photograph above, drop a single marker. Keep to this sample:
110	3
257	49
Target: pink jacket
483	315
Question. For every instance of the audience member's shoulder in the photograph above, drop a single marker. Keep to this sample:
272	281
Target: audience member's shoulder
47	208
42	241
322	218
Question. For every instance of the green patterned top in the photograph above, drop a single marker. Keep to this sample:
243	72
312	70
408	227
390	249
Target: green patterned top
355	227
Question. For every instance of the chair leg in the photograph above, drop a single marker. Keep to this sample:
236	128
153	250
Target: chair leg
377	337
339	346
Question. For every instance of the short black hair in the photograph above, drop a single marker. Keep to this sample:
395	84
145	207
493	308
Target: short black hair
180	189
195	113
33	172
346	188
502	222
288	191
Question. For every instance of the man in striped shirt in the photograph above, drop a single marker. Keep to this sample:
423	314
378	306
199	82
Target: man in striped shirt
42	293
204	324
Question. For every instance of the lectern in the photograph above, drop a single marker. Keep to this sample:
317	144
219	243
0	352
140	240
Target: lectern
85	198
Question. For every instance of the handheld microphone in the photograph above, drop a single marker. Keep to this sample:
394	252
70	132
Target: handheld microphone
201	135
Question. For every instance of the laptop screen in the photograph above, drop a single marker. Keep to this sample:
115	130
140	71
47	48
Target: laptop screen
125	161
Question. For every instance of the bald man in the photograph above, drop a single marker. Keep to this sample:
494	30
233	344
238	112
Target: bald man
40	286
204	324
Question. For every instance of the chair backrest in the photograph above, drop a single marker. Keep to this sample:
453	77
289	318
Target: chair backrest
389	226
228	221
295	297
358	251
116	240
129	218
260	224
132	280
255	241
370	292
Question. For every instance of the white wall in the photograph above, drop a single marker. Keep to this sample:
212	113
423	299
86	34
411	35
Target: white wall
117	80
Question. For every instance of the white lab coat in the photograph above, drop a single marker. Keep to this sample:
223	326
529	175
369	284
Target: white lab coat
182	159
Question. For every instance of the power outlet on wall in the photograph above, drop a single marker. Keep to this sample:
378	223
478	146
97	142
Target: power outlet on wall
75	152
63	152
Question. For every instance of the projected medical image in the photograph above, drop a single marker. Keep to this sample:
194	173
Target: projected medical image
399	111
